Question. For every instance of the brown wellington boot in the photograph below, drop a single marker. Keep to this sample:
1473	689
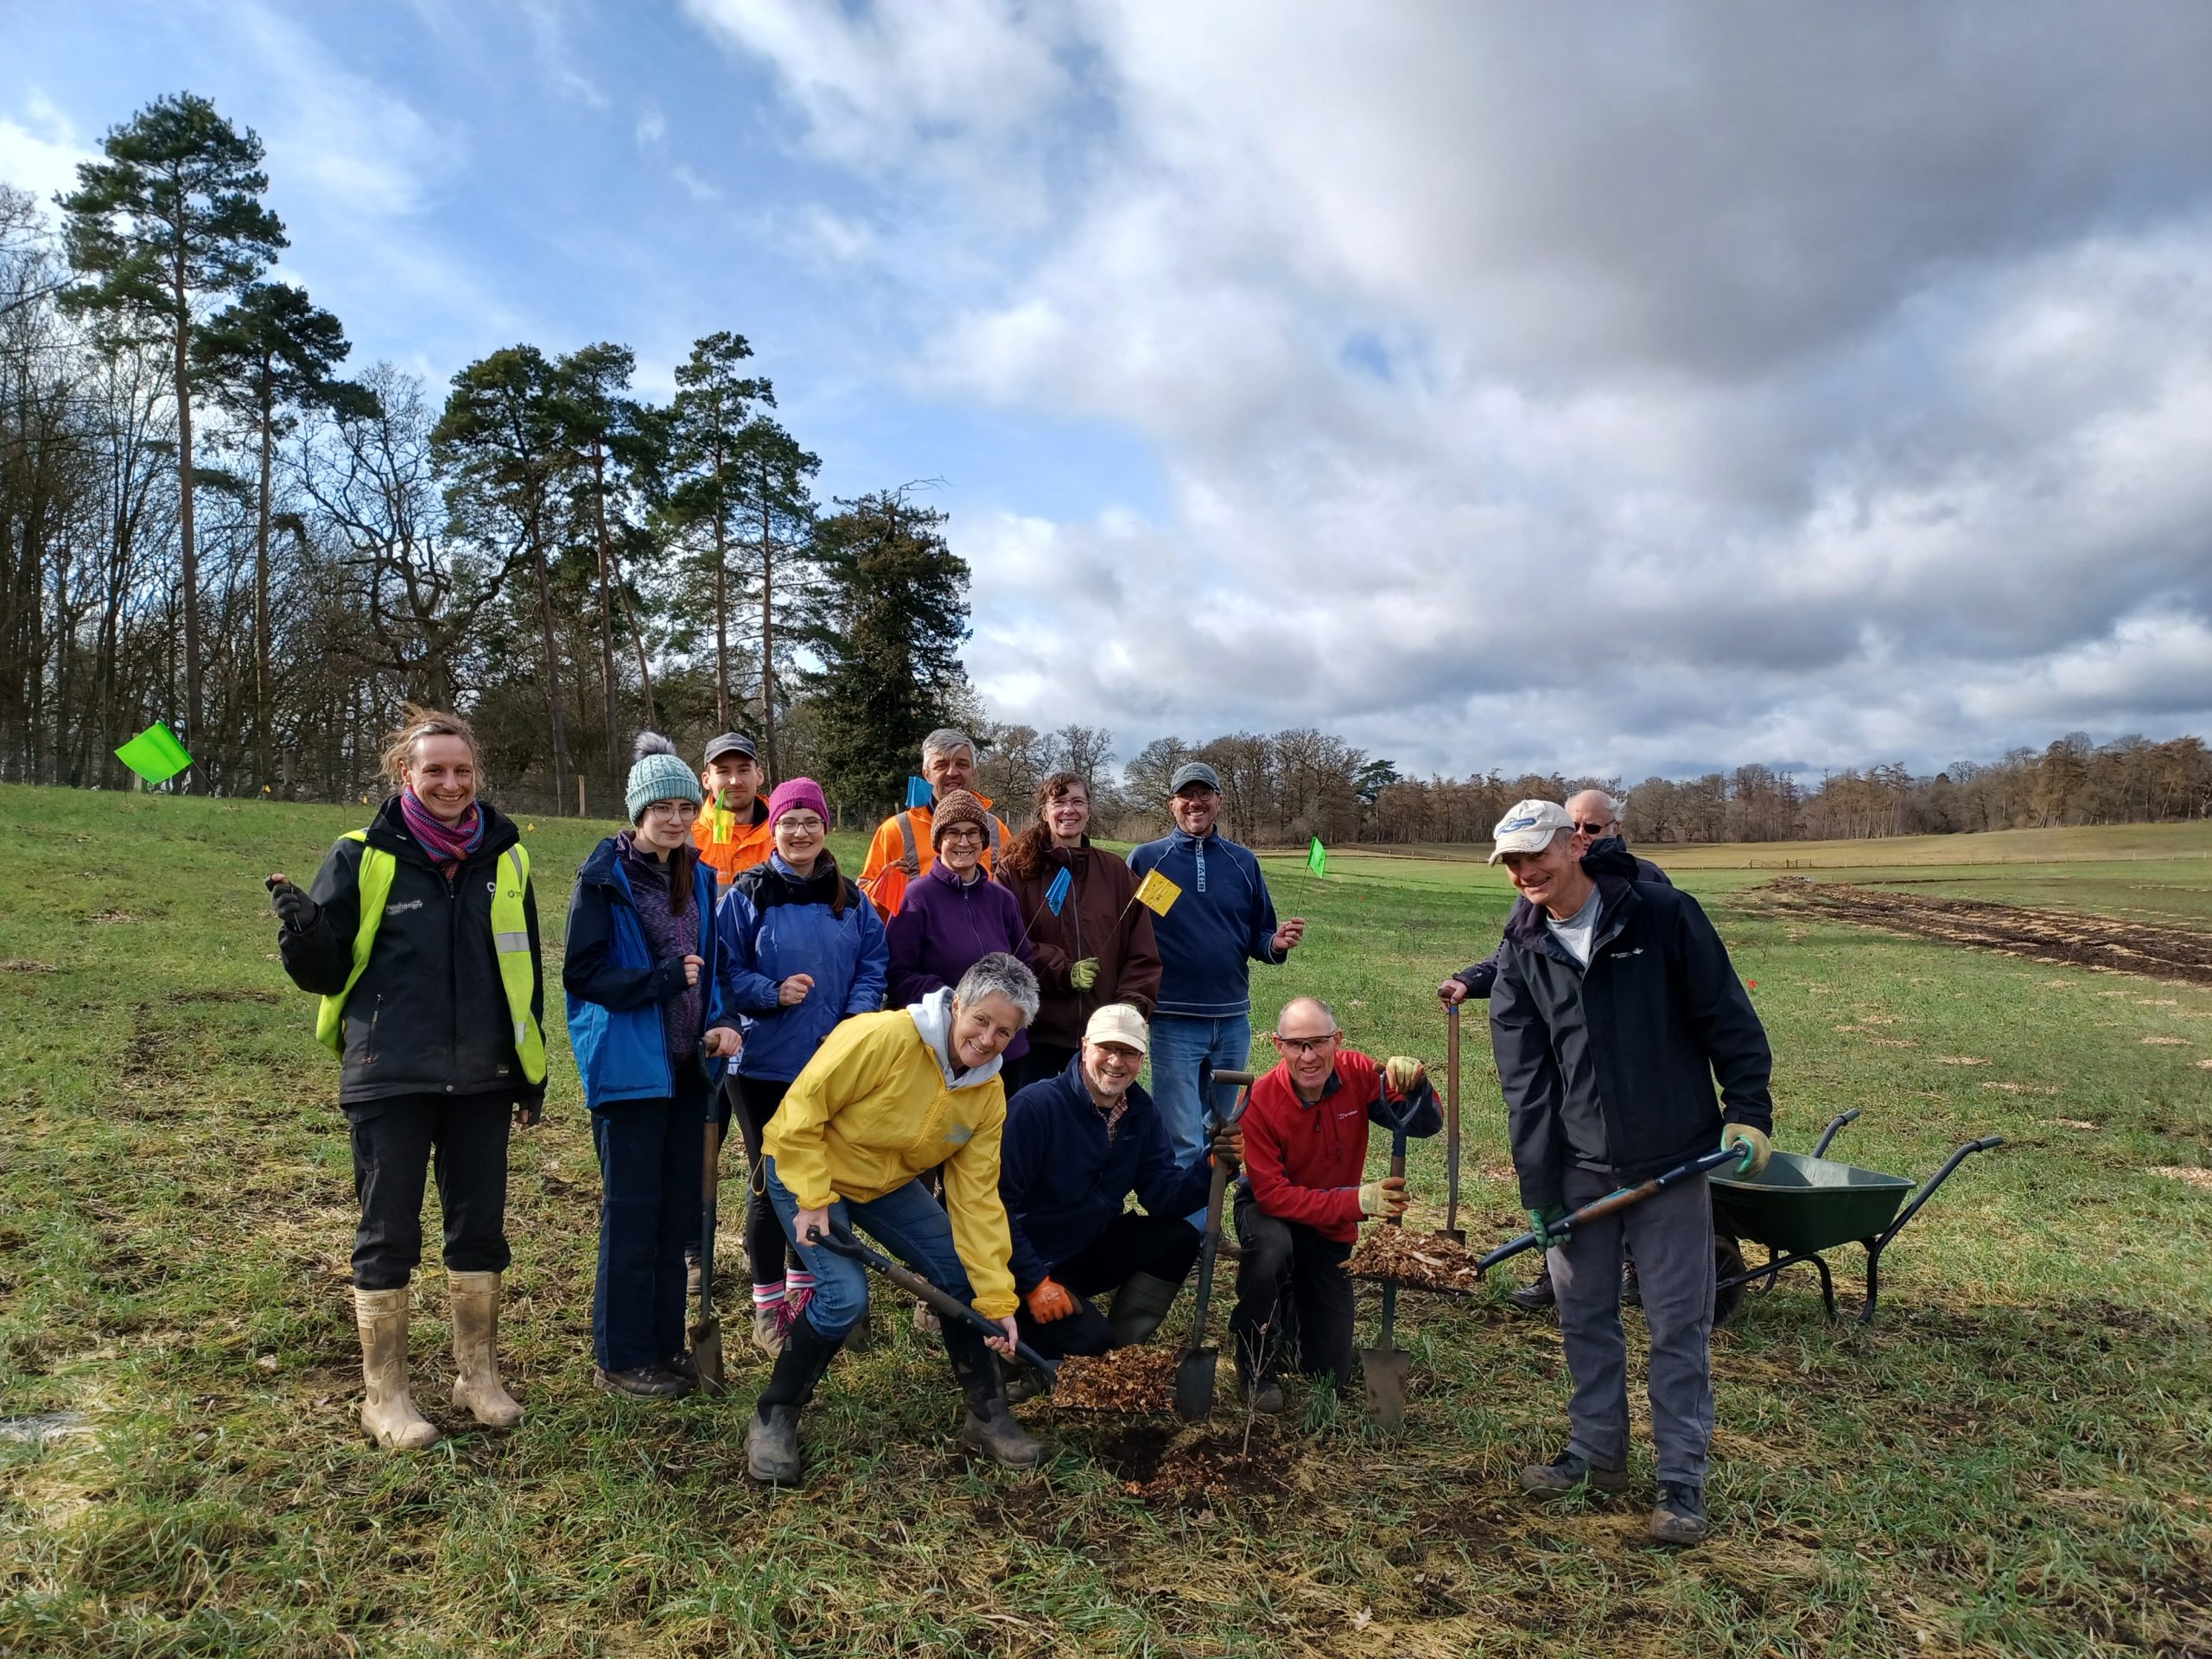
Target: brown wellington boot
475	1337
387	1412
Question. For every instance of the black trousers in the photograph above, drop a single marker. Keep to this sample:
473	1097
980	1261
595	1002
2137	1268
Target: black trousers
397	1141
1162	1245
1292	1291
651	1172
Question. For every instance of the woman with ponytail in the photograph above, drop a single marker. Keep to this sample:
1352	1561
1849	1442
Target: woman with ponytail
421	934
644	1019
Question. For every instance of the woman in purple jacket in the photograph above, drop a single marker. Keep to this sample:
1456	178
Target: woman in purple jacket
953	915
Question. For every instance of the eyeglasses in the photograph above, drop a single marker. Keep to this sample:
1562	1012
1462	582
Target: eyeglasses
1306	1044
1593	829
808	825
965	835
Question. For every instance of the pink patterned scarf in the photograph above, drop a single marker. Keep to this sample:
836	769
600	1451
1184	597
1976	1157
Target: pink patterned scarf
447	844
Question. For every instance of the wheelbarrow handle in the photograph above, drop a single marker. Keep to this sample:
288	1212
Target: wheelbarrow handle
946	1304
1835	1124
1612	1203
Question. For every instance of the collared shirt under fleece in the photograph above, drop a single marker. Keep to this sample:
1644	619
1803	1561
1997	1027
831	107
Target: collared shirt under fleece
1222	922
879	1104
1304	1162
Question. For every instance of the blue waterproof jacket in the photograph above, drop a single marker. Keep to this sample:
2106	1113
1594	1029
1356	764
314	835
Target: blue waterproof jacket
1224	922
615	988
774	923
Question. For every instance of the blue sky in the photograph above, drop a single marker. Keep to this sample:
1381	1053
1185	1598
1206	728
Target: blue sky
1581	386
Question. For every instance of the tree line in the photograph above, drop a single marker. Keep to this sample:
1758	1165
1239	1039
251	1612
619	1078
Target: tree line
205	520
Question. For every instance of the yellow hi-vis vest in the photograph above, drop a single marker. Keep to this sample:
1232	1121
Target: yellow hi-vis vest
510	935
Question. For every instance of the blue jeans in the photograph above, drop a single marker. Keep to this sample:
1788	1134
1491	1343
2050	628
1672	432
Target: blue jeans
651	1158
1180	1046
906	1221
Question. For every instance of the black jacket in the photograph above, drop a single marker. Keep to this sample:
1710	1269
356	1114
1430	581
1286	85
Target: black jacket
429	1015
1612	1068
1480	976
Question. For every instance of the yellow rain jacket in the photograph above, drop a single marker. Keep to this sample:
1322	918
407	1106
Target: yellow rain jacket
877	1106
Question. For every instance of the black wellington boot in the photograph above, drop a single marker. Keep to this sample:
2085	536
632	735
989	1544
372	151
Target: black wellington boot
772	1439
991	1425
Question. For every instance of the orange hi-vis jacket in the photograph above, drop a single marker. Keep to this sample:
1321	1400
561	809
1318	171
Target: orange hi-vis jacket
909	832
752	838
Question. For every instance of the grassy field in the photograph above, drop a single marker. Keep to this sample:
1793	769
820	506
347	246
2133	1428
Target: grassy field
2016	1459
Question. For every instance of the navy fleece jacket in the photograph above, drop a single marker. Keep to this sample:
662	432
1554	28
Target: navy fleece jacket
1222	922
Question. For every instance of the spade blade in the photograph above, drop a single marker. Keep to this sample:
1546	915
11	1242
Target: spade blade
1382	1373
1194	1378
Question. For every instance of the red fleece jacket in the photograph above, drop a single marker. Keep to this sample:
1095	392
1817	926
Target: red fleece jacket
1305	1163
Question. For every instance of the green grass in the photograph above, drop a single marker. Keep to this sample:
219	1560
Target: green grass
2016	1459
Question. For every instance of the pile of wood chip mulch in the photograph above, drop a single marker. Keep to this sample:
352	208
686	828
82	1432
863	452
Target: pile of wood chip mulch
1128	1379
1424	1260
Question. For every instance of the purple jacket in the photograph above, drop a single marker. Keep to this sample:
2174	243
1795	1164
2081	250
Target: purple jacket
942	928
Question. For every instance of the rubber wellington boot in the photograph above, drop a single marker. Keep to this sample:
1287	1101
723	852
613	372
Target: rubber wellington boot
475	1339
386	1411
1139	1306
771	1438
991	1425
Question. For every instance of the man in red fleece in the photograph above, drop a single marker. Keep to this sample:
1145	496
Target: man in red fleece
1305	1191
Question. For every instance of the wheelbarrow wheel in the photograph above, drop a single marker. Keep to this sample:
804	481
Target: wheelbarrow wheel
1727	1263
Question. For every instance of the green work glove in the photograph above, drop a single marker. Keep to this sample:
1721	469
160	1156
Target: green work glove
1757	1148
1084	974
1548	1223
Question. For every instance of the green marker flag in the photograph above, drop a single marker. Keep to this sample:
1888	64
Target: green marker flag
1317	858
154	754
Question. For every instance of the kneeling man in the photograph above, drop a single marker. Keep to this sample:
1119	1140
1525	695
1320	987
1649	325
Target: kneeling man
1306	1191
1075	1146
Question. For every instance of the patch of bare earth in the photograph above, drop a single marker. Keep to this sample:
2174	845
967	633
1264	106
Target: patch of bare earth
2063	938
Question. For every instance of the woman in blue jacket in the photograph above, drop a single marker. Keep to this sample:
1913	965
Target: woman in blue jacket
644	1019
801	949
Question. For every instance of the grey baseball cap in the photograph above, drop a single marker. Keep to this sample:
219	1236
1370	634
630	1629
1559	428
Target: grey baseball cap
1194	771
729	743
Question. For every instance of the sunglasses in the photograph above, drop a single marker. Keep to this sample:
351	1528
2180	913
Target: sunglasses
1593	829
1306	1045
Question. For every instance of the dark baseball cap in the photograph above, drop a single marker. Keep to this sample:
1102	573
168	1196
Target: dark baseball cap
1194	771
730	743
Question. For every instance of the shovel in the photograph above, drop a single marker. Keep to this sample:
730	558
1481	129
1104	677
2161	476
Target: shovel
707	1334
1194	1370
948	1306
1614	1202
1382	1368
1451	1228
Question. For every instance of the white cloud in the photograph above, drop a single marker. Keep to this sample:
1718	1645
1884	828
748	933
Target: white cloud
40	153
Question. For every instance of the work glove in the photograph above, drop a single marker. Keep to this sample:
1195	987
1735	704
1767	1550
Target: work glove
1229	1143
1084	974
1383	1197
1548	1223
1403	1074
292	907
1759	1147
1049	1301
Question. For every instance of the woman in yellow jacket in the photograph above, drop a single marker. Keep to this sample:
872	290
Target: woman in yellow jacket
887	1098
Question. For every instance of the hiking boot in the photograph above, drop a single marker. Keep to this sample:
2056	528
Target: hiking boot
475	1336
771	1446
387	1410
991	1427
1568	1470
684	1366
1139	1306
1537	1295
1264	1397
645	1382
927	1321
770	1321
691	1278
1679	1516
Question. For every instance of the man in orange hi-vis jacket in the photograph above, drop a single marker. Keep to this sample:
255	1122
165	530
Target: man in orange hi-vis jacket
901	849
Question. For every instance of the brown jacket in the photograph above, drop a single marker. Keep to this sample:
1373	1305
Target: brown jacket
1097	918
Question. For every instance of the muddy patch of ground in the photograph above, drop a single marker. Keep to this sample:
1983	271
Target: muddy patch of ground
2052	936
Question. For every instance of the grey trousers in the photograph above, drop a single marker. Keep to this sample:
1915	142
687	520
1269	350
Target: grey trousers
1671	1235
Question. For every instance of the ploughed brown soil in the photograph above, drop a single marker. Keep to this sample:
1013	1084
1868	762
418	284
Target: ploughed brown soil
2054	936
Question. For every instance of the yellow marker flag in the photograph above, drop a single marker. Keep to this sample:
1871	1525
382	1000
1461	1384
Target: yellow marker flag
1156	894
725	824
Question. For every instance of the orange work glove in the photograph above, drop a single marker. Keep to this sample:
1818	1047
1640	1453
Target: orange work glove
1049	1301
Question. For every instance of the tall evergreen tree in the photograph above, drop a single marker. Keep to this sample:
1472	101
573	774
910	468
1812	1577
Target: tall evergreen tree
894	614
265	358
171	218
708	475
609	439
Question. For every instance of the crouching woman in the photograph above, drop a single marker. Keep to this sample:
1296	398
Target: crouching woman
645	1021
885	1098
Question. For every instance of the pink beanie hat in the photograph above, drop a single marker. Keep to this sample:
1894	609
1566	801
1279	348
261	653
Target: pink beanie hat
798	791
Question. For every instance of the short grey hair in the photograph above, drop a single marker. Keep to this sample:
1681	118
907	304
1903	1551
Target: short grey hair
1000	974
1613	807
1311	1001
946	741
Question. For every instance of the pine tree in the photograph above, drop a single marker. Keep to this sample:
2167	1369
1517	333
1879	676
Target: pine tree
706	479
171	218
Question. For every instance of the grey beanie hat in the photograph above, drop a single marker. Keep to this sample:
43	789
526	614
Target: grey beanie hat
660	774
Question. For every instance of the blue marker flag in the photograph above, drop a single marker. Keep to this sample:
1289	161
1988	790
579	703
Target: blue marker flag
918	793
1057	894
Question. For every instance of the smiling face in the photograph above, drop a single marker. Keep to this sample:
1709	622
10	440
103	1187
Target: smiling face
1110	1068
666	825
1306	1038
733	779
1553	878
983	1031
1196	807
441	774
799	835
961	848
947	773
1067	814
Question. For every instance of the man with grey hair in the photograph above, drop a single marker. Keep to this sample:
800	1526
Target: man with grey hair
901	849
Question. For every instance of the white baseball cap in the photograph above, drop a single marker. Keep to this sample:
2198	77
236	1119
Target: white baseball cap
1529	827
1117	1022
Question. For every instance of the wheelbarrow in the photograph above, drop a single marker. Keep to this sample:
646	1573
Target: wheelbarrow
1803	1203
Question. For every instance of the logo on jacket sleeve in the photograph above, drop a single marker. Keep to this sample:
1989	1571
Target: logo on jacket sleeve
959	1135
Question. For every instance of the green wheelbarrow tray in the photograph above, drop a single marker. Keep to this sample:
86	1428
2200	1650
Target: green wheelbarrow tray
1799	1202
1802	1204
